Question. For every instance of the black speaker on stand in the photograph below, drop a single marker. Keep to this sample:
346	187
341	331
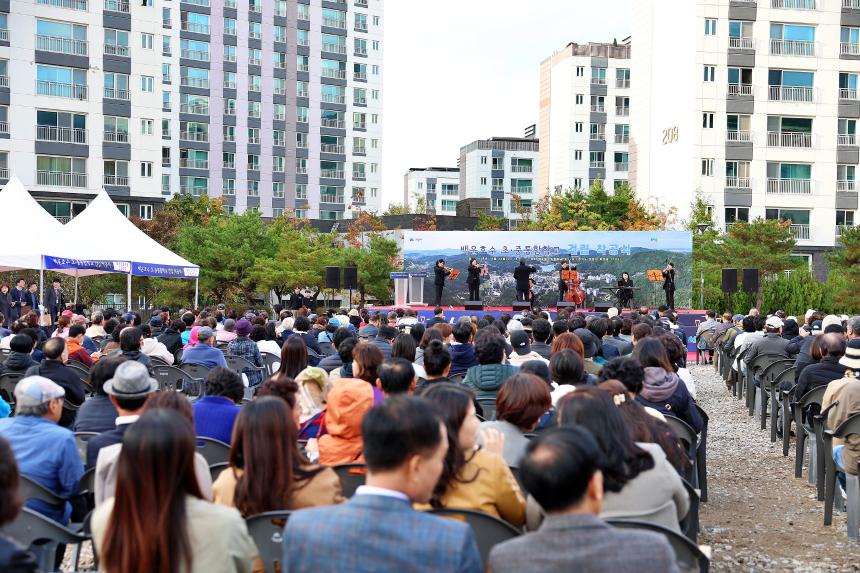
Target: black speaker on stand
332	277
750	280
350	280
474	305
730	280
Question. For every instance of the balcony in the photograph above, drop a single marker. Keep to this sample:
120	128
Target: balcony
789	139
193	190
359	150
359	125
360	51
112	136
330	98
846	185
740	90
498	189
739	136
198	55
792	48
117	180
229	84
622	166
229	137
116	50
61	179
738	183
521	168
361	3
335	199
335	123
360	76
842	228
330	73
331	173
254	62
789	186
334	23
197	82
116	6
849	48
799	232
196	108
622	138
361	26
360	101
255	35
303	67
334	48
4	173
61	134
793	4
359	175
254	139
60	45
852	4
196	27
4	81
194	163
622	84
331	148
194	136
598	109
848	93
598	81
741	43
81	5
622	111
597	137
302	171
597	164
228	164
846	139
58	89
114	93
802	94
197	2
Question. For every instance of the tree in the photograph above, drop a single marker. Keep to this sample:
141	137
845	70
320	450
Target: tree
191	209
488	222
844	267
375	262
397	209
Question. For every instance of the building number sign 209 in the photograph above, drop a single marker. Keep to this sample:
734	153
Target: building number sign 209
670	135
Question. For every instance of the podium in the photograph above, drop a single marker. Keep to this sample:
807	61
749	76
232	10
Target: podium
408	288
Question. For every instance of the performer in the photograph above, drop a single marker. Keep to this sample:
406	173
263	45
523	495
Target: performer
441	272
562	284
297	299
17	298
55	302
669	284
31	299
521	276
625	290
474	279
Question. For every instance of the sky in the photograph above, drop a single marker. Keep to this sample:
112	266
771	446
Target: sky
460	70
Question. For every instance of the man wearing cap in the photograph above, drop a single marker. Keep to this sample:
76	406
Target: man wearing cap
827	369
228	333
128	390
247	349
156	326
521	342
204	353
45	452
770	343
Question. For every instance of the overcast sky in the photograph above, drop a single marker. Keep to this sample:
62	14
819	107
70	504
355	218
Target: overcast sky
460	70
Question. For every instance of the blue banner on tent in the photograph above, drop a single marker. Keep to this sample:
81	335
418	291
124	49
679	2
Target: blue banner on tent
107	266
165	271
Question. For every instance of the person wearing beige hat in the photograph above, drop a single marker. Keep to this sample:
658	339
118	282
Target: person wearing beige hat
847	403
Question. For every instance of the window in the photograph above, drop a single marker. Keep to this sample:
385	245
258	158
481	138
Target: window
147	83
116	172
230	80
302	36
578	127
579	99
254	109
844	218
279	137
301	115
255	30
145	212
229	133
253	162
280	33
63	127
116	42
483	160
278	189
165	73
253	188
165	183
115	129
61	171
710	26
280	61
483	180
577	183
846	177
303	12
737	214
709	73
146	41
228	187
146	168
708	167
498	204
278	163
147	126
577	155
229	26
228	160
253	135
229	106
374	94
165	17
708	120
116	86
580	71
229	53
255	83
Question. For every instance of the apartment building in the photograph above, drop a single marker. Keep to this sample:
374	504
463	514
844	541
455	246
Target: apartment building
755	106
502	169
584	117
439	187
271	104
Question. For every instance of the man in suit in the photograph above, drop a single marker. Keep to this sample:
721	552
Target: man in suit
521	276
405	443
561	470
31	299
55	302
17	302
440	273
297	300
669	284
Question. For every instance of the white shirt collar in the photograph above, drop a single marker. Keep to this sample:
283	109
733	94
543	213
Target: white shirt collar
385	492
121	420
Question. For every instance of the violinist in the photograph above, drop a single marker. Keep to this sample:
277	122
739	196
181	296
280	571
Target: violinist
625	290
474	279
441	272
669	284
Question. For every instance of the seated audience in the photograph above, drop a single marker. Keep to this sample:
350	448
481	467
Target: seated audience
74	347
130	343
301	327
521	344
53	368
294	358
203	352
541	332
404	347
348	401
829	368
562	471
314	385
462	350
227	333
260	336
13	557
244	347
521	402
171	338
97	413
20	358
492	371
215	413
333	361
568	372
96	329
437	364
153	348
366	359
396	376
662	389
384	339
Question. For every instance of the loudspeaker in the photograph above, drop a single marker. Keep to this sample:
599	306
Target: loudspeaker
521	305
565	304
750	280
730	280
350	278
332	277
474	305
602	306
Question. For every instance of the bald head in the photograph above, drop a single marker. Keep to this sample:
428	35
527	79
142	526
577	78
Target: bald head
833	344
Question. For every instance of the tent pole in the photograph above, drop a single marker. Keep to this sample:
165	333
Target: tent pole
128	291
196	291
76	287
41	284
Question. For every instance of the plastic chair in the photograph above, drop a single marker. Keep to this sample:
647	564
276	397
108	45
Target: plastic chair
156	361
804	430
755	367
214	451
457	378
173	379
81	439
687	554
195	371
272	362
489	406
702	455
42	536
687	435
351	476
266	529
690	523
7	387
489	530
242	365
216	469
852	484
31	489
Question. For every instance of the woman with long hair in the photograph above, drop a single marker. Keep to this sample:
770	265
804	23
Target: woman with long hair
6	305
294	357
662	388
158	520
405	347
638	482
473	477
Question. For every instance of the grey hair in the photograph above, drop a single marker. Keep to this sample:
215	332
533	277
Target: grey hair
97	317
38	411
854	324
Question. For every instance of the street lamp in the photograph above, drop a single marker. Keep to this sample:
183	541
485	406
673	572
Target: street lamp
701	229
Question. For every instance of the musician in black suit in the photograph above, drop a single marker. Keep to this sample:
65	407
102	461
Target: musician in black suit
625	290
297	299
669	284
31	299
521	276
439	280
55	302
16	301
562	284
474	280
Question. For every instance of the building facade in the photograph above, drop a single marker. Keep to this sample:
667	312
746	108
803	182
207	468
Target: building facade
757	112
272	104
584	117
439	187
502	169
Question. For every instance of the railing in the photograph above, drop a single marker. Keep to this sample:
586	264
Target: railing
331	148
197	108
229	164
61	179
119	180
335	123
302	171
115	50
254	139
81	5
255	112
497	189
197	2
254	61
361	3
281	116
597	164
739	136
360	76
853	4
360	51
253	167
198	55
598	137
741	43
112	136
359	125
842	228
846	139
359	175
622	84
197	82
60	45
792	48
622	111
330	73
194	135
848	93
303	67
789	139
229	30
301	144
255	8
799	232
740	90
791	93
521	168
331	173
846	185
598	81
58	89
165	187
598	108
623	166
4	127
361	26
193	190
359	150
849	48
327	198
334	48
302	194
194	163
114	93
793	4
255	35
334	23
515	190
789	186
4	81
230	84
303	42
116	6
229	137
360	101
165	133
196	27
738	183
329	98
622	138
61	134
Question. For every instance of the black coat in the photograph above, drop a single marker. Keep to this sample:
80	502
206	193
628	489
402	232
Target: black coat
61	375
669	279
54	299
171	339
297	301
474	278
15	559
819	374
440	274
522	274
6	307
16	296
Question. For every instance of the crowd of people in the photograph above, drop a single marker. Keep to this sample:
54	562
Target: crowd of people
552	424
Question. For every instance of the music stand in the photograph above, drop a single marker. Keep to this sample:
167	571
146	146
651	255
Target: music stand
655	276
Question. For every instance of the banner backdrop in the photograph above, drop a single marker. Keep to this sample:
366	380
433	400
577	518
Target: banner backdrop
600	256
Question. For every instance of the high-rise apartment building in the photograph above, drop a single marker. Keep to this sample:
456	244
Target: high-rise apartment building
272	104
584	117
439	187
752	104
502	169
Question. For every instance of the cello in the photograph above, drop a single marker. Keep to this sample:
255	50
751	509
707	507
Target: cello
575	292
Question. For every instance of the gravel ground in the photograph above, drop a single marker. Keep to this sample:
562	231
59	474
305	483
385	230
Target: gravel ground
759	517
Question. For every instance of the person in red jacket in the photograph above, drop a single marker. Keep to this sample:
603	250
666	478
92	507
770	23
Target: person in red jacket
74	346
